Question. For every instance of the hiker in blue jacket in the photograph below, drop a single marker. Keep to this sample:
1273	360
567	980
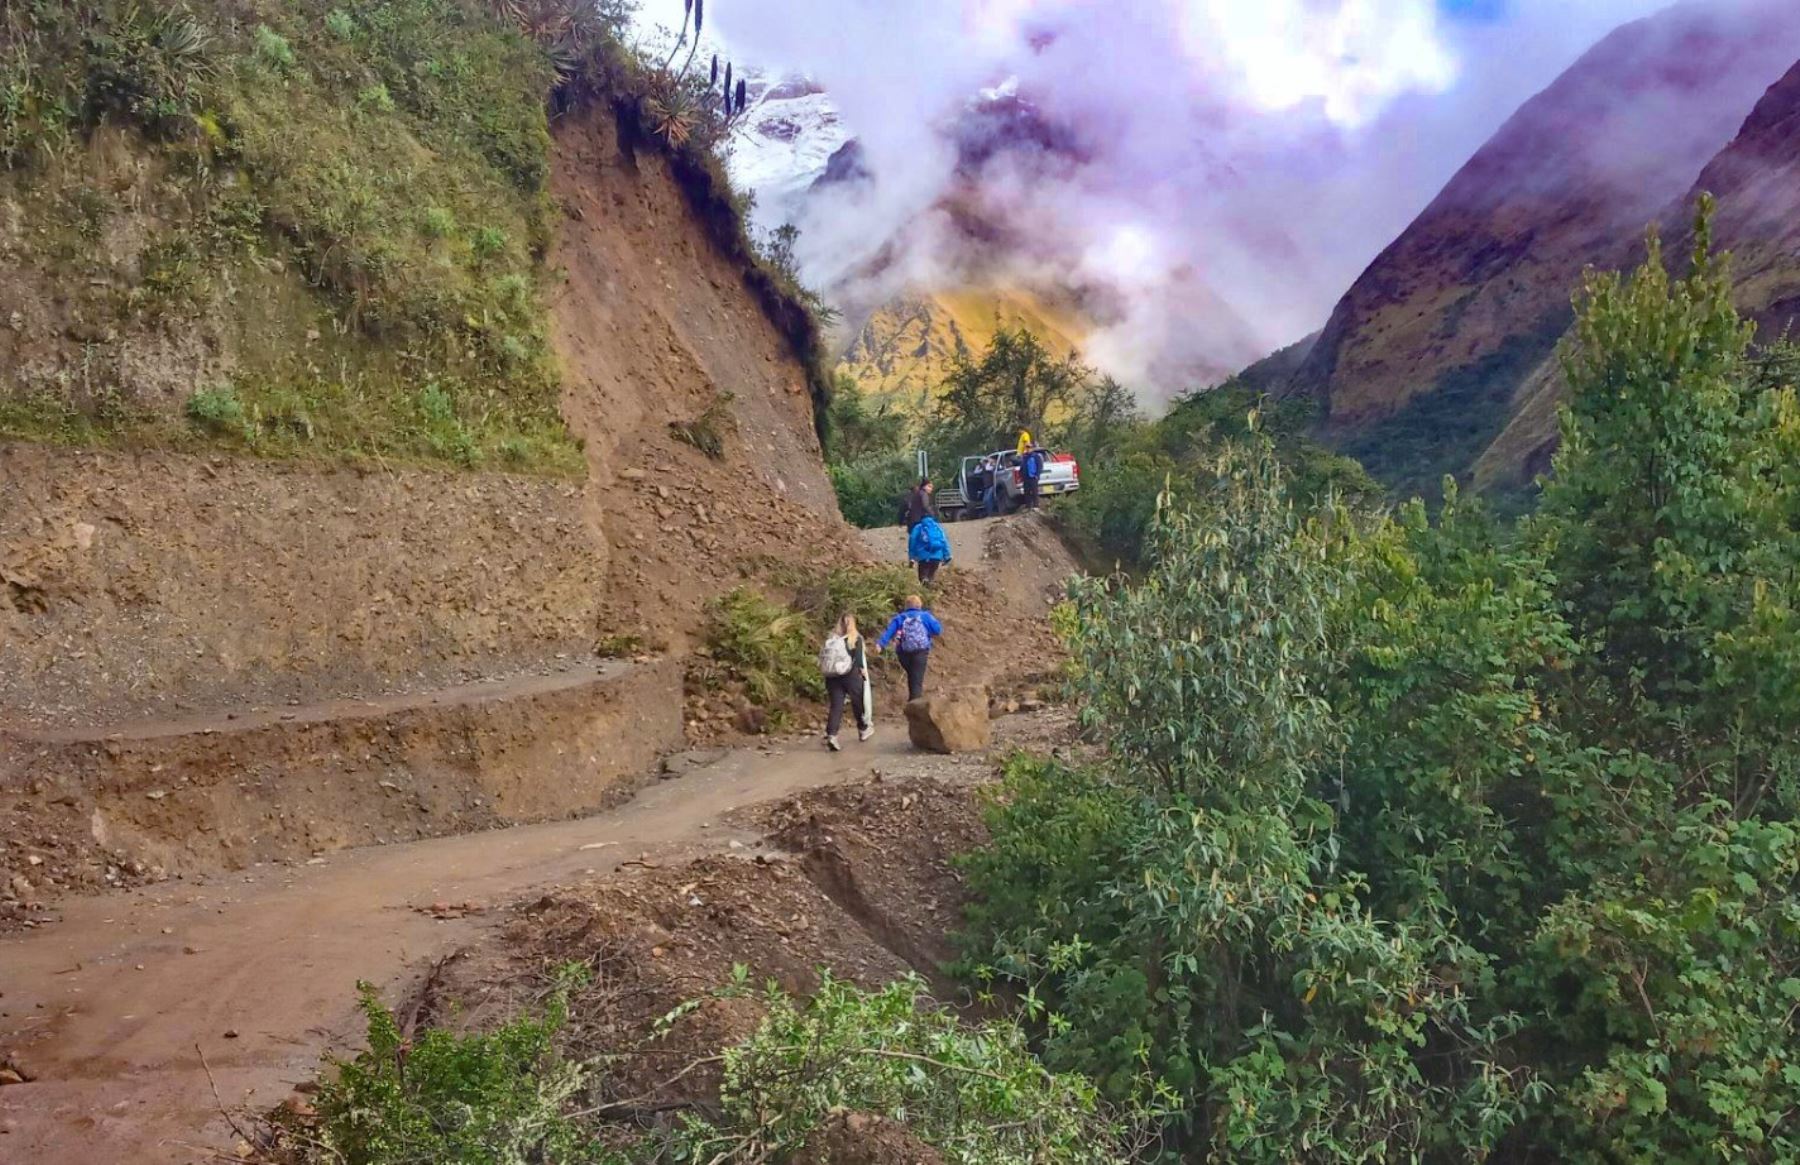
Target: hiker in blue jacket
1031	469
915	628
928	547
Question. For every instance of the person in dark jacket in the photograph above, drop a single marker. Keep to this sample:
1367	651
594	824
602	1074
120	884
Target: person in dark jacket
977	482
921	503
915	628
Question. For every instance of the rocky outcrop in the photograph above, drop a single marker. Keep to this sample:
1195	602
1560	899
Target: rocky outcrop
950	722
1419	367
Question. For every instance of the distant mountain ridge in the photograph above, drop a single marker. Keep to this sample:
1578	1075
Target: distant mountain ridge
1756	183
1436	347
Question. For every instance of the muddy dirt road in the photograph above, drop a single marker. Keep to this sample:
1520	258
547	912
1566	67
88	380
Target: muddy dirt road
117	1012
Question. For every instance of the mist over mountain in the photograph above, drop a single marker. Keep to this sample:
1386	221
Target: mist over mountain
1206	178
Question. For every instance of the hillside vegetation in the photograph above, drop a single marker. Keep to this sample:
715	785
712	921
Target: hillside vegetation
314	227
1439	840
289	227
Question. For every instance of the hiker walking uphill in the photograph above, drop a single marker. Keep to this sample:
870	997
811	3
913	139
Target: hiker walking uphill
844	663
912	631
928	548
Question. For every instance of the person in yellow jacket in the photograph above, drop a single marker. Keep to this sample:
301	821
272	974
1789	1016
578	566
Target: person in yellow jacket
1024	441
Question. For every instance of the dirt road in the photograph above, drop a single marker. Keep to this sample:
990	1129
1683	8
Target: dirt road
111	1011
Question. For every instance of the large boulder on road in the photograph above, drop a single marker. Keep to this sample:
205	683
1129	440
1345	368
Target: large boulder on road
950	721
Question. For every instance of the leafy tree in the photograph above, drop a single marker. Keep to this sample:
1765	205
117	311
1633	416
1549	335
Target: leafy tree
1128	463
870	470
1197	916
861	428
1661	515
1016	384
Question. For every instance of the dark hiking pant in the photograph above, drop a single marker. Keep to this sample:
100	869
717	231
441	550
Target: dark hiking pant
842	689
1030	500
928	572
914	662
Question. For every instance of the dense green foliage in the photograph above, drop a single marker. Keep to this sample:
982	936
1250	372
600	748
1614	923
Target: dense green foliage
1425	840
1128	464
867	457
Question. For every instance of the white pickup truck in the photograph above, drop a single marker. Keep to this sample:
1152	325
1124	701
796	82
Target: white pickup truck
1061	475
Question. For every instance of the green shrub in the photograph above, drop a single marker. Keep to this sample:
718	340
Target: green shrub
488	243
437	223
974	1093
494	1099
217	410
340	24
871	593
770	648
870	491
377	98
273	49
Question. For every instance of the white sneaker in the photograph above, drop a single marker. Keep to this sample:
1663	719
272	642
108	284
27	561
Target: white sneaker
831	742
866	733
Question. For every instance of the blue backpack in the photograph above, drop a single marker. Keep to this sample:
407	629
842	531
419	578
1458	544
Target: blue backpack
913	634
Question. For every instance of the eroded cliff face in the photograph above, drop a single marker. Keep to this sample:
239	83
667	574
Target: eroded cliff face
1421	363
157	582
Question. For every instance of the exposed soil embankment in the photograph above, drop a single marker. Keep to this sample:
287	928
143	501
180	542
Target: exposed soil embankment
654	328
165	798
157	584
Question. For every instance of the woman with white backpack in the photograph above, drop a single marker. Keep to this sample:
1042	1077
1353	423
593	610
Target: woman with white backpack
844	662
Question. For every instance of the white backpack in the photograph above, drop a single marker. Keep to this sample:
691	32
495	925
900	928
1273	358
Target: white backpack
834	657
